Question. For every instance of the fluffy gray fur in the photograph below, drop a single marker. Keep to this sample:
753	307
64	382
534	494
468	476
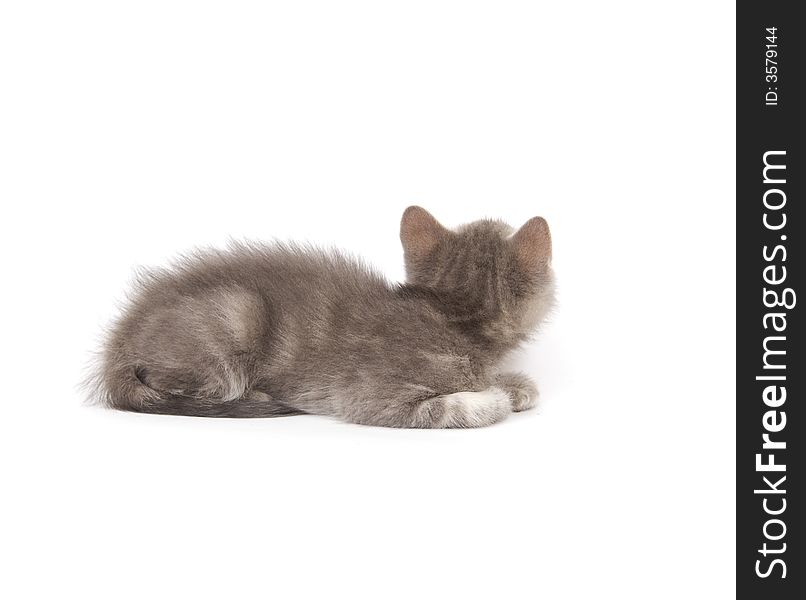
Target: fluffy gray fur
267	330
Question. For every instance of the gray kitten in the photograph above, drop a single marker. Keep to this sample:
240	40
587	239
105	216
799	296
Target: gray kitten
260	331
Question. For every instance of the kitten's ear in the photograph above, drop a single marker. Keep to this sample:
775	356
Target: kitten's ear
420	232
533	244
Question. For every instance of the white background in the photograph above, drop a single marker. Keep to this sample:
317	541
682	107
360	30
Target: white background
133	131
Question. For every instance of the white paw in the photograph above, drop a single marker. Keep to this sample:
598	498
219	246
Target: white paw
521	389
523	398
476	409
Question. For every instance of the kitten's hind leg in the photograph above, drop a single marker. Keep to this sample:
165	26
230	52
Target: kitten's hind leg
522	391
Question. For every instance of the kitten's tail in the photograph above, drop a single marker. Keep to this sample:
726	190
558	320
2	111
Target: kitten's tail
120	387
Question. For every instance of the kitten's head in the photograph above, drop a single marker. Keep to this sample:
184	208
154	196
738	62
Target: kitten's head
486	273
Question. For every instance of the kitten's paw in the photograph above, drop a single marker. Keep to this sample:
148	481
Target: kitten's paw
475	409
521	390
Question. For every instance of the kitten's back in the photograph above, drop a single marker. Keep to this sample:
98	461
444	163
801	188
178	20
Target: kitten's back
203	327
